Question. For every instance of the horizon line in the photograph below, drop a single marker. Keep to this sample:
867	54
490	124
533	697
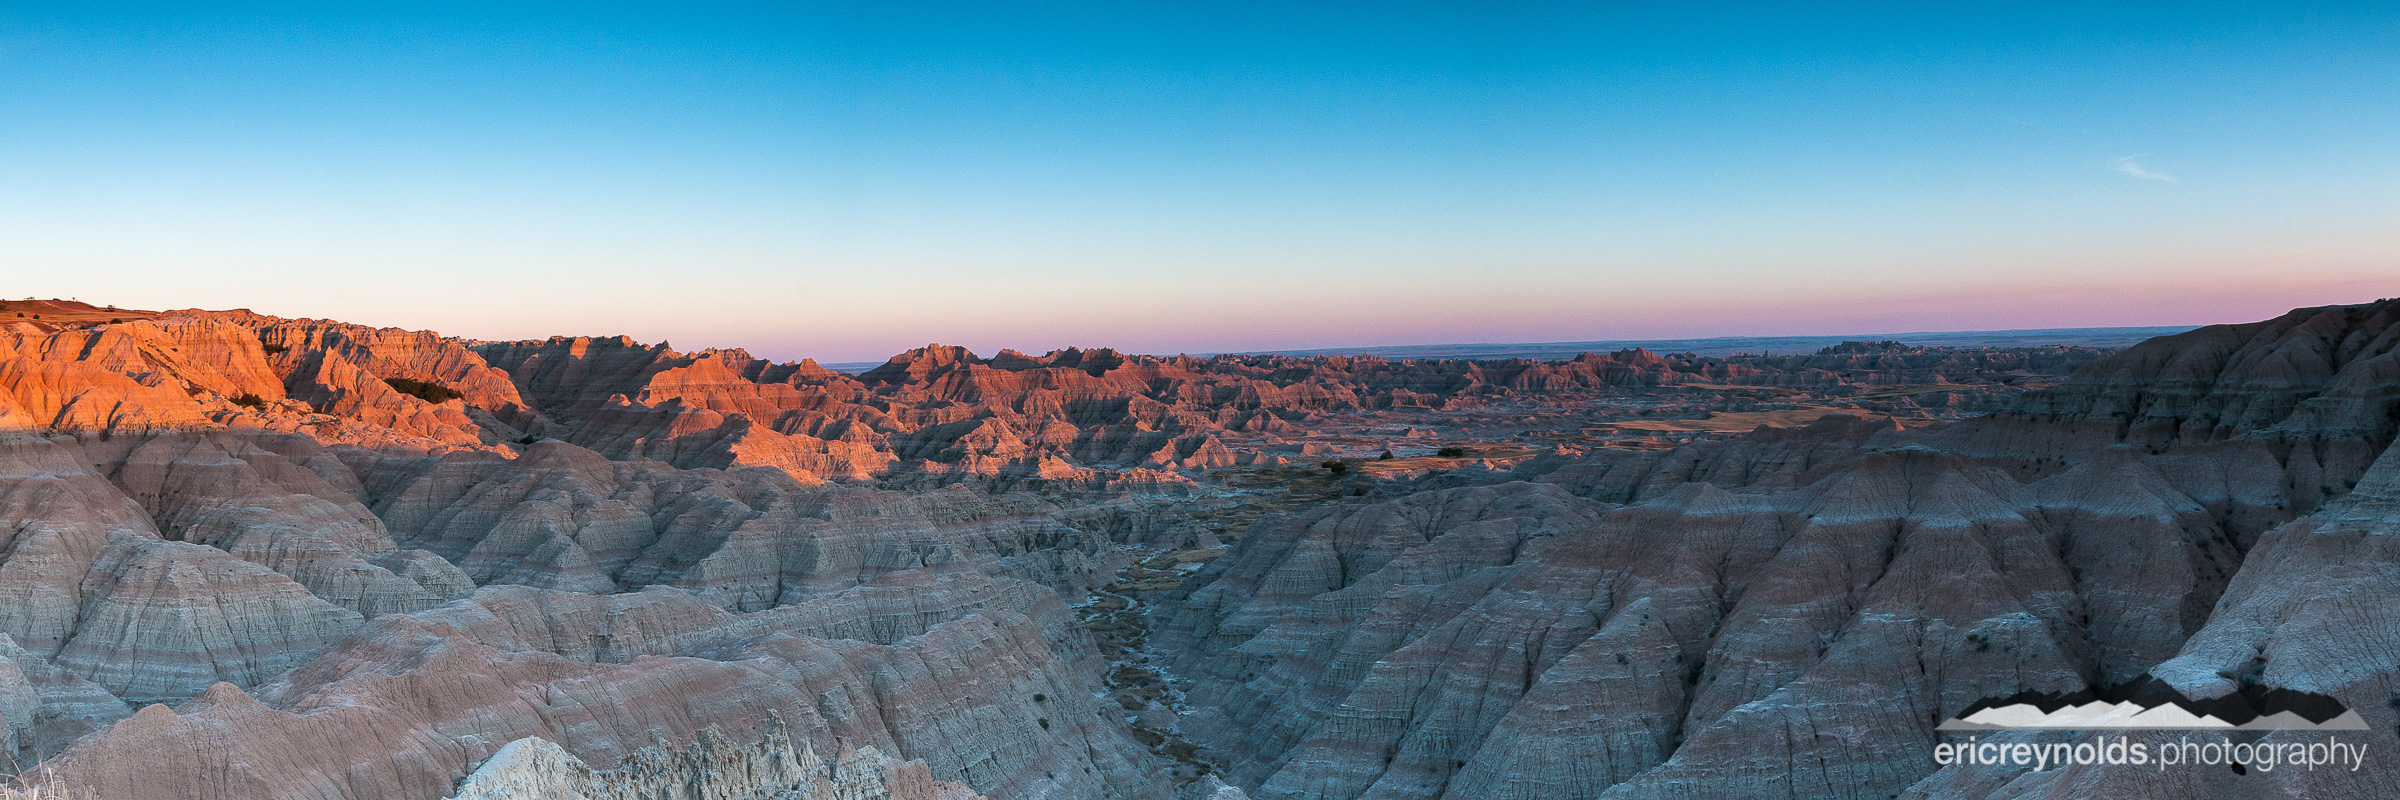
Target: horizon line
1619	344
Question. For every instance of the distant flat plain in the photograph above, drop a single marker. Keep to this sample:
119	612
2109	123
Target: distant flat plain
1759	345
1721	345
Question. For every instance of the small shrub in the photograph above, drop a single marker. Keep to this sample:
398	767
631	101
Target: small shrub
1336	466
428	392
44	791
1039	697
1451	452
1045	723
528	439
117	321
273	348
248	400
1387	456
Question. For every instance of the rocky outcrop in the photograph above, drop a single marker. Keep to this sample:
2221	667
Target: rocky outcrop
176	373
202	370
2269	419
1824	595
713	768
1014	419
153	566
266	507
2312	610
62	705
163	620
396	353
563	517
1519	641
94	588
1768	459
1072	420
2325	373
982	699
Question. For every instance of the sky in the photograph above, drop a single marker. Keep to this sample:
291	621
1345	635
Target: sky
847	180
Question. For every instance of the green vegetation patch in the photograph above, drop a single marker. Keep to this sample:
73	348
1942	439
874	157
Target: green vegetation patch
428	392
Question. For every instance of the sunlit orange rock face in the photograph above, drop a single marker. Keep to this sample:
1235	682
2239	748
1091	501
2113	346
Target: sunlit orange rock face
942	411
251	557
174	373
937	412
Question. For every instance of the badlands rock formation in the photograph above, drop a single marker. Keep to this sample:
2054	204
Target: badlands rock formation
251	557
1788	615
534	768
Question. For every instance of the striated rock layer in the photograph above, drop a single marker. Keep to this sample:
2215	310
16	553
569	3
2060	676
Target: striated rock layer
1790	614
534	768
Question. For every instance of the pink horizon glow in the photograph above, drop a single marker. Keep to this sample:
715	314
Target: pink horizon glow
2102	301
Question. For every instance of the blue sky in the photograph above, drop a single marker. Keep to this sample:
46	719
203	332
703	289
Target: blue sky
847	180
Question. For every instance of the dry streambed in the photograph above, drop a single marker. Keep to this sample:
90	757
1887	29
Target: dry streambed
1137	685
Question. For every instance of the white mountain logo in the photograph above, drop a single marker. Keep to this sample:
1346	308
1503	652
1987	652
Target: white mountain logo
2128	715
2253	709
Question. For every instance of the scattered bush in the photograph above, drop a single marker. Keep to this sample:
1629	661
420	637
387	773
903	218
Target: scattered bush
428	392
44	791
117	321
273	348
1451	452
248	400
1336	466
1387	456
1039	697
1045	723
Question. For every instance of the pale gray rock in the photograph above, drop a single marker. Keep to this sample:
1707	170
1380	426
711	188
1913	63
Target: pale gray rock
1423	646
229	493
65	705
164	620
419	704
56	516
19	704
712	768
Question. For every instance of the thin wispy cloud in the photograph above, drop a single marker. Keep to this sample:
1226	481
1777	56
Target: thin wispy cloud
2130	166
